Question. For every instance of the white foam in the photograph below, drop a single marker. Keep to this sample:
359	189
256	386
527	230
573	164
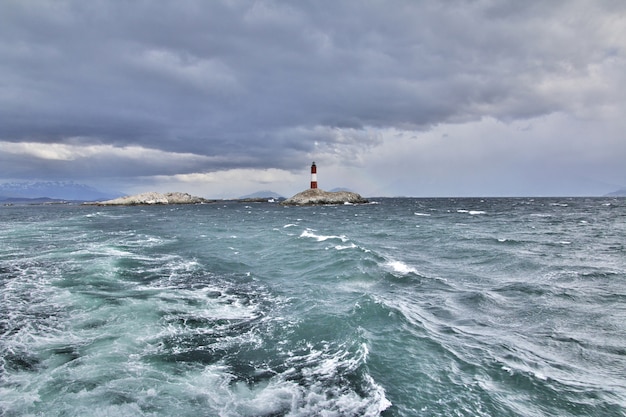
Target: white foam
322	238
400	267
471	212
342	247
422	214
217	388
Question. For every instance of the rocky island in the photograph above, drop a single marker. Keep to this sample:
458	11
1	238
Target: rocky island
316	196
152	198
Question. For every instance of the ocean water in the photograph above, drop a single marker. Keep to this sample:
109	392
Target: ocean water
404	307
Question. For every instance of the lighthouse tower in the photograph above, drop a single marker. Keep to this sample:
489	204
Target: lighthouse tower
313	176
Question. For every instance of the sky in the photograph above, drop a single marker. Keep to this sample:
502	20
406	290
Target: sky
424	98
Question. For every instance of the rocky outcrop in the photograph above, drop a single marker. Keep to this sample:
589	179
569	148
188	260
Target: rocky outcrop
315	196
151	199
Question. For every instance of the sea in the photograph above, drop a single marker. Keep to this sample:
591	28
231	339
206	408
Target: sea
399	307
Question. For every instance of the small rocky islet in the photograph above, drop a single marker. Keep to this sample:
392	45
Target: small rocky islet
316	196
152	198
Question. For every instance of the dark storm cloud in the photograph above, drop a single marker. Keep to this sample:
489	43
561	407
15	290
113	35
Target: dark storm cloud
257	83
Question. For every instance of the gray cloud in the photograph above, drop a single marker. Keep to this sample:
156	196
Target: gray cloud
263	84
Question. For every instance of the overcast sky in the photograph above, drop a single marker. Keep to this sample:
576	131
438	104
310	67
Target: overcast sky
389	98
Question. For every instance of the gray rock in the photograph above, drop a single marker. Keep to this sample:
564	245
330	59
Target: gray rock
316	196
152	198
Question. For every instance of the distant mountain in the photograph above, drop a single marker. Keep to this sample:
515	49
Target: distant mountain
618	193
57	190
262	194
340	189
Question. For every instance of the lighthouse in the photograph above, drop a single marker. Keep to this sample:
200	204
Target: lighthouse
313	176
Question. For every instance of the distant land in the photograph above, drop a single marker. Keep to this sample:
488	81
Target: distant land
618	193
262	194
43	200
34	191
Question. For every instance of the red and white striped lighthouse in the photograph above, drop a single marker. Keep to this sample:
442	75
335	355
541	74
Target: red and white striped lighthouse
313	176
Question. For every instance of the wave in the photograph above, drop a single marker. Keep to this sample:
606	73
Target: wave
321	238
471	212
343	247
339	312
188	339
399	268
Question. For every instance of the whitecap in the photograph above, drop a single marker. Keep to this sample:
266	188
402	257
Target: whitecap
422	214
471	212
400	267
309	385
322	238
342	247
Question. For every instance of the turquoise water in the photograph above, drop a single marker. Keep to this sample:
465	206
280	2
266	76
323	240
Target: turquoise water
405	307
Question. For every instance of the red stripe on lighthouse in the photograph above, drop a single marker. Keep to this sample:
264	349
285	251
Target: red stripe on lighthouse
313	176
